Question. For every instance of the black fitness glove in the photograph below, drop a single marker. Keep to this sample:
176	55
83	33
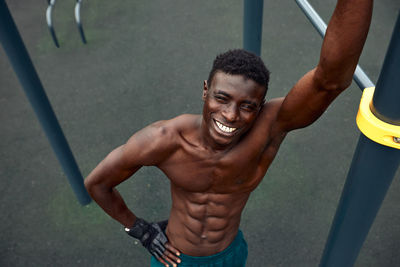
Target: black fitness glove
163	225
151	235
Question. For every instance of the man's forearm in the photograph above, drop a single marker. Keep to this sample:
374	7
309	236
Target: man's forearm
112	203
344	41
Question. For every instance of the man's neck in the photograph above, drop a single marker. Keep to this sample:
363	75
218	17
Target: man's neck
208	143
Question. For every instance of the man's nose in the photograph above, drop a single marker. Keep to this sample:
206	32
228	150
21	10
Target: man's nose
231	113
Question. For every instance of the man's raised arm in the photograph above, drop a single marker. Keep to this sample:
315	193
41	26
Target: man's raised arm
341	49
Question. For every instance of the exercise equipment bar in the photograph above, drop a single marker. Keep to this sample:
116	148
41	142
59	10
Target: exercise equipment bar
372	169
19	58
77	13
252	25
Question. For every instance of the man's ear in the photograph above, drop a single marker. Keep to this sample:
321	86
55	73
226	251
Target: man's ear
205	90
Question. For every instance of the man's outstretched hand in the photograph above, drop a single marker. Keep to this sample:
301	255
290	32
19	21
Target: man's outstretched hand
153	238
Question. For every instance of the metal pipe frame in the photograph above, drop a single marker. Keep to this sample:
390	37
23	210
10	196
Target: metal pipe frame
49	12
21	62
78	20
372	169
77	13
252	25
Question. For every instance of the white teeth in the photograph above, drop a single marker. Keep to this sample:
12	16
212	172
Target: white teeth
225	128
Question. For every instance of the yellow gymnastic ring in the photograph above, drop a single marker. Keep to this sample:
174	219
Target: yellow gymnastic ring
372	127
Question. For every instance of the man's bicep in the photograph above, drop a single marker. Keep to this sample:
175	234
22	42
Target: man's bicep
305	103
110	172
146	147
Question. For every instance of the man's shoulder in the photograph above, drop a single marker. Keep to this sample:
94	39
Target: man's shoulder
270	110
185	121
174	126
274	104
155	143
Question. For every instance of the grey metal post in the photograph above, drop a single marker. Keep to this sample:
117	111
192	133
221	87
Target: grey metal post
371	172
252	25
26	73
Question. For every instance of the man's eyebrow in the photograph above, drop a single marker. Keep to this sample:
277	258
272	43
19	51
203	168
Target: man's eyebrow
222	93
249	102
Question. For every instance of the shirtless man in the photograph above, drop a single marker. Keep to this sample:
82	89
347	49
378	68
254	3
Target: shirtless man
216	159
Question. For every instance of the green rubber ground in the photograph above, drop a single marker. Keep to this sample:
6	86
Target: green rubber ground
146	61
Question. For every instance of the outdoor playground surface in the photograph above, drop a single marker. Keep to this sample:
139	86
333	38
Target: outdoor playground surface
146	61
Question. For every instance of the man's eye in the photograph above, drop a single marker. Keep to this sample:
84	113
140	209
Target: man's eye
220	98
247	108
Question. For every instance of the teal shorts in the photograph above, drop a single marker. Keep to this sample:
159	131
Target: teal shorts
235	255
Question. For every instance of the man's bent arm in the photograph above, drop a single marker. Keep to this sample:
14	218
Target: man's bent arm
341	49
101	184
149	146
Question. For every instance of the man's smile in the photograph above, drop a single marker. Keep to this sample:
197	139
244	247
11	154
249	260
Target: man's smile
224	128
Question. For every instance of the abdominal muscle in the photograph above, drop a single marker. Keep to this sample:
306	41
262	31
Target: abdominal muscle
204	223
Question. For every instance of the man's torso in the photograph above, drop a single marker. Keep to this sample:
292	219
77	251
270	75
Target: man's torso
210	189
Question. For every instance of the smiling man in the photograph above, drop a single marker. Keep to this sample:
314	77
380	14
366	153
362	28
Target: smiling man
216	159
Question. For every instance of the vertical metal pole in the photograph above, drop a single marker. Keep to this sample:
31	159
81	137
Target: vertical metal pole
252	25
386	102
26	73
371	172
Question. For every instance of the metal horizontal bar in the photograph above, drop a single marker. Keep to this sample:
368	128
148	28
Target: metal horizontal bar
21	62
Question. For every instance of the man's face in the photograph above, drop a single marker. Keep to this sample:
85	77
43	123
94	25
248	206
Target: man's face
231	105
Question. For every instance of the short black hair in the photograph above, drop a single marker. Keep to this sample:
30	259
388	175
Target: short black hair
241	62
